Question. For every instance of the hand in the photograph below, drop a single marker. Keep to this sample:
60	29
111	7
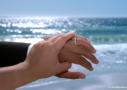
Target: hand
43	60
72	53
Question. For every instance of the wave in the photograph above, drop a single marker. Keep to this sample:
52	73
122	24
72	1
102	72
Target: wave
62	22
39	34
97	29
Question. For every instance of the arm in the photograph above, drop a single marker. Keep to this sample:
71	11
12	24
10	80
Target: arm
13	53
69	53
40	63
15	76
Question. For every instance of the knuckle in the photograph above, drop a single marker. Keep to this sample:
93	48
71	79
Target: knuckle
37	45
44	45
50	46
62	36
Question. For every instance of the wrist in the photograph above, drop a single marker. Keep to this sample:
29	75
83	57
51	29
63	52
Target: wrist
31	45
19	74
27	72
23	75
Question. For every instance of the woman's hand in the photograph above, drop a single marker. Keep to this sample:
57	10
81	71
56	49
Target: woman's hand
73	54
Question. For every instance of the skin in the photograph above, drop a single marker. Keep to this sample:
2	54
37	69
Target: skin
73	54
40	63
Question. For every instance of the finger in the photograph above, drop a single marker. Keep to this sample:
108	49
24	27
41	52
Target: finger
62	67
83	62
86	45
72	75
46	38
88	42
63	39
91	57
82	51
54	38
83	38
77	49
63	35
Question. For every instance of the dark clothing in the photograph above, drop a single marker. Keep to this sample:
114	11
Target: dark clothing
12	53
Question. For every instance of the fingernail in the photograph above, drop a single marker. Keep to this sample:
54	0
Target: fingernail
91	69
96	62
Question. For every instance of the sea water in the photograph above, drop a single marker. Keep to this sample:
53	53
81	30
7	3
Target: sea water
108	36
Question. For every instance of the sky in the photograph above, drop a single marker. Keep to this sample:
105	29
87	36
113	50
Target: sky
88	8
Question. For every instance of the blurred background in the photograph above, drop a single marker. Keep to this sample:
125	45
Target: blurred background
104	22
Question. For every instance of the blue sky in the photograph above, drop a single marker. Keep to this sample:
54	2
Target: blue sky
95	8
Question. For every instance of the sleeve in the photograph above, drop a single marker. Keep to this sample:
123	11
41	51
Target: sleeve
12	53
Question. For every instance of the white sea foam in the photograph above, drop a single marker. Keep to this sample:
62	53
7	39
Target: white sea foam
93	82
47	31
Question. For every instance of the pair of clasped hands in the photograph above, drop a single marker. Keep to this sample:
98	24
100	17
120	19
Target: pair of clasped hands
54	56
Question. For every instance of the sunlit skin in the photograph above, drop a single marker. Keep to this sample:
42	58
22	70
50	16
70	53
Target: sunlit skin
41	62
73	54
47	58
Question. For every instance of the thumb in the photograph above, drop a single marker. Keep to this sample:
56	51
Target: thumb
63	39
62	67
72	75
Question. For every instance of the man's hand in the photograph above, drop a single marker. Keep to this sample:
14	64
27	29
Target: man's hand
41	62
43	58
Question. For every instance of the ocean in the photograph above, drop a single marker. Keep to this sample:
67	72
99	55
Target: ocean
108	36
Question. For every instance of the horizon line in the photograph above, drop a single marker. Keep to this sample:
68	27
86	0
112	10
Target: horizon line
63	16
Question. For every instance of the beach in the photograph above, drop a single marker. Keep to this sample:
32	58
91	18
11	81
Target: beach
107	35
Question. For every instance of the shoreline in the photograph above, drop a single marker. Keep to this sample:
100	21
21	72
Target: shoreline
95	82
